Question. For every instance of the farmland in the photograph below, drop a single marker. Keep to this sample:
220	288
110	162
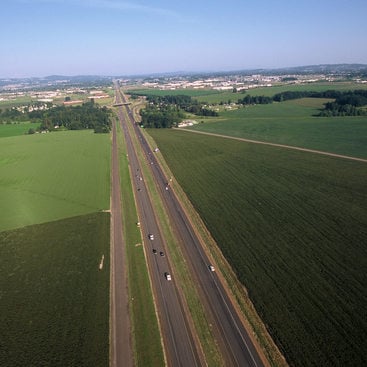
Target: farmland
7	130
54	298
293	226
187	92
292	123
54	307
270	91
212	96
46	177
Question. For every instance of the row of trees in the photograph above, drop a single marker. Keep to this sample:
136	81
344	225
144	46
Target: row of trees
248	100
338	95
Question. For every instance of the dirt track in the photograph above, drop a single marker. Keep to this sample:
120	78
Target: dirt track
279	145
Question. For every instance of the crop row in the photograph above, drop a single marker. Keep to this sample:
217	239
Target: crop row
292	225
54	308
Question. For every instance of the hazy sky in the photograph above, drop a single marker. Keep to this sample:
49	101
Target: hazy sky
117	37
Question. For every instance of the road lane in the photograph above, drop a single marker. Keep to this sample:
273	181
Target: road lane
178	340
236	346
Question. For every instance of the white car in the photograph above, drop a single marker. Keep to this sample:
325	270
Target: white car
168	276
211	268
151	237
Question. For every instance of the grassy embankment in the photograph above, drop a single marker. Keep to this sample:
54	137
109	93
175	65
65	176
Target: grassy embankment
146	335
55	299
292	225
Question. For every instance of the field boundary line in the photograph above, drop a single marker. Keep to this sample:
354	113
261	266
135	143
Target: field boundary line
277	145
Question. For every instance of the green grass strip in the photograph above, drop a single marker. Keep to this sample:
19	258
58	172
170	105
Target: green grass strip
146	335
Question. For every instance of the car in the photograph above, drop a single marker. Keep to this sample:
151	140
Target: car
154	251
151	236
161	253
167	276
211	268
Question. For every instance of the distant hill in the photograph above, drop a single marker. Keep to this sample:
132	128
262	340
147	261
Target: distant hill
344	70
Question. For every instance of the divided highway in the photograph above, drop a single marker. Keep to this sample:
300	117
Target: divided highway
235	345
180	348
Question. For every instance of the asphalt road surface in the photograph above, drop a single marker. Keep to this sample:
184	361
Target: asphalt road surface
234	342
178	339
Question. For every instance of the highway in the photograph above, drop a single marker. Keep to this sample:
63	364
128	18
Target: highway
235	345
179	343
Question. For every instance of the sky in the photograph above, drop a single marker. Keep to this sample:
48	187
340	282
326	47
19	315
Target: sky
118	37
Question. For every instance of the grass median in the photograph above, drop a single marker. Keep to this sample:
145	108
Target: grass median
185	282
146	336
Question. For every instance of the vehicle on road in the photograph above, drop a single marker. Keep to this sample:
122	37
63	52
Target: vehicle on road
211	268
154	251
151	236
168	276
161	253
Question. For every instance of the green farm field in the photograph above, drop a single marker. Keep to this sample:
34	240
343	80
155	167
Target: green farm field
7	130
212	96
46	177
187	92
54	308
18	101
293	225
225	96
293	123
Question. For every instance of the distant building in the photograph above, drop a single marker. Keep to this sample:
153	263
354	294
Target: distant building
67	103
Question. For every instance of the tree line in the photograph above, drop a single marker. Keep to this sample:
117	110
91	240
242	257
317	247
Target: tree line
87	116
346	103
167	111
